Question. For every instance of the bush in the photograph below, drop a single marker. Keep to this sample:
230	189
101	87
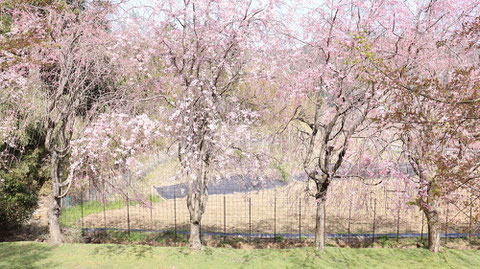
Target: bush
19	188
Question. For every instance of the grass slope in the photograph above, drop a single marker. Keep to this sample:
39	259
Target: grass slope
70	216
41	255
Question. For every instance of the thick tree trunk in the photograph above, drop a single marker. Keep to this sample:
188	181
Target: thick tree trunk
53	222
433	220
195	242
434	237
433	224
197	196
320	225
196	206
55	207
195	223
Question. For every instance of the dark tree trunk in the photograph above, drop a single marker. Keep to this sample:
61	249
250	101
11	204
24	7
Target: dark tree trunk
433	219
54	224
196	213
320	225
55	207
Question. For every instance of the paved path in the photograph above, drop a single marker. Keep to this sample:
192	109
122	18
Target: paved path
221	186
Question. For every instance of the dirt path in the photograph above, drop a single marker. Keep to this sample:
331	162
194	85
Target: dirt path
40	215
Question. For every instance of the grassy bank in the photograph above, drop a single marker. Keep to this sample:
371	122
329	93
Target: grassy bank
70	216
41	255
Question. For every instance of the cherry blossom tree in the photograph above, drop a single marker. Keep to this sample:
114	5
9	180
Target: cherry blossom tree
336	93
428	59
203	53
108	149
67	60
355	77
17	111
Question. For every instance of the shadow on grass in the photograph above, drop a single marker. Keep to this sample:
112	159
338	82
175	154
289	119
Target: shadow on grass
138	251
25	255
309	260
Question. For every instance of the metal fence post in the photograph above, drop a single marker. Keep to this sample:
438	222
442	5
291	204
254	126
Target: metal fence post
128	215
386	199
374	216
446	225
470	221
224	218
398	223
324	222
275	217
349	219
421	230
104	214
151	209
175	212
128	204
104	207
300	219
250	217
81	206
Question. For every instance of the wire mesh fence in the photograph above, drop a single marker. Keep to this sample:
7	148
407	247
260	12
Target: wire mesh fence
276	210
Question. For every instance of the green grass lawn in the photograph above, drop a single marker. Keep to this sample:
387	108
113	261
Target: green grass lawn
42	255
71	215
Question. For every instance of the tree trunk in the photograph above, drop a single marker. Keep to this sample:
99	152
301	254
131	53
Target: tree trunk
55	208
433	220
320	225
197	195
195	222
433	230
53	222
196	207
195	242
434	237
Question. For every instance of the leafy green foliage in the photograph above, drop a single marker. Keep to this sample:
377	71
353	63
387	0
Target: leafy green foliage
284	175
280	238
19	187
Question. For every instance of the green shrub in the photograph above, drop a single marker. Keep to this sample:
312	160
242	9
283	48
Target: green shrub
19	187
284	176
280	238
